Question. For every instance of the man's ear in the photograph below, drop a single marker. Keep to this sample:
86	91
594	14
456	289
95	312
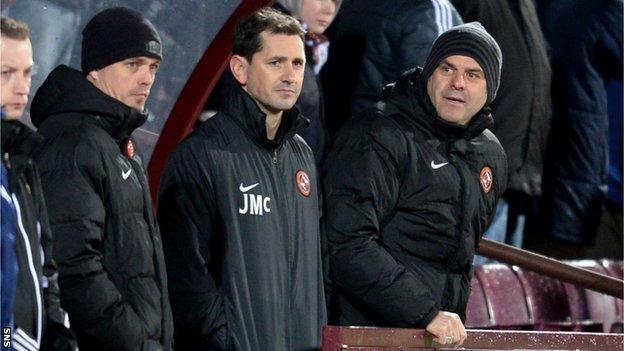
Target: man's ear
239	66
93	76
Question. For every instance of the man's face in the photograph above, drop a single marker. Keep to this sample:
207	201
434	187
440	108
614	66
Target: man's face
17	68
128	81
318	14
457	89
274	76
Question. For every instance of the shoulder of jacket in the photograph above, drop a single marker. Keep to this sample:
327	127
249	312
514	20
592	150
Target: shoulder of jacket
375	127
490	137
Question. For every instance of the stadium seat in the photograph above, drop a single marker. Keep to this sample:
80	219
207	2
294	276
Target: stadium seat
601	308
547	301
477	314
504	296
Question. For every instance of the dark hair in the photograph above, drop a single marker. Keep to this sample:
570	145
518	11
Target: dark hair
13	29
247	40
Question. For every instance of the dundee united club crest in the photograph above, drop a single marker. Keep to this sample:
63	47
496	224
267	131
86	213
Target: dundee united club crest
486	178
303	183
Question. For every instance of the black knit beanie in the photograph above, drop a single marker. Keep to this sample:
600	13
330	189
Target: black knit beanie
116	34
472	40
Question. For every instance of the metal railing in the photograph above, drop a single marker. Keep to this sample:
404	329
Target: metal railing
551	268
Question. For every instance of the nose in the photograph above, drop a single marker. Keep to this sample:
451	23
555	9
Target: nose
329	7
147	76
22	85
288	74
458	81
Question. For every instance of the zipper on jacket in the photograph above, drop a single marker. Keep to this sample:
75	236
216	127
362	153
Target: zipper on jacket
274	157
7	161
289	248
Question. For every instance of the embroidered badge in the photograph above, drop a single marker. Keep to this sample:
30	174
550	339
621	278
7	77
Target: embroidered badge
303	183
486	178
153	47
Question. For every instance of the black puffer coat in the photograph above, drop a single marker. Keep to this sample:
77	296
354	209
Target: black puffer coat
107	244
407	197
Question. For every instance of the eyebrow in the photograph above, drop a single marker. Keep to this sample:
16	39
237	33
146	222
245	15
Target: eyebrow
284	58
471	70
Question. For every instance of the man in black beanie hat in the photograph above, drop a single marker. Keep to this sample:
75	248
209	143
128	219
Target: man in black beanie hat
106	240
411	185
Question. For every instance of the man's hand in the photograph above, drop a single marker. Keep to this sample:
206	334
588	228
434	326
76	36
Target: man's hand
447	329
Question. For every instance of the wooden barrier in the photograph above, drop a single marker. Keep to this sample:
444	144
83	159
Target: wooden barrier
387	339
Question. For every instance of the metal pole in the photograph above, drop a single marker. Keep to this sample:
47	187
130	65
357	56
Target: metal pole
551	267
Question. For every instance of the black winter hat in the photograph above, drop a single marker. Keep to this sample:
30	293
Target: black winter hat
116	34
472	40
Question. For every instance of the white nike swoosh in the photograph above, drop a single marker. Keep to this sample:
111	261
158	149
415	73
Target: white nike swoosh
125	175
245	189
436	166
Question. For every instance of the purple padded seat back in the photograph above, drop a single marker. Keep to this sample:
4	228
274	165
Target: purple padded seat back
477	314
601	308
504	296
616	270
547	300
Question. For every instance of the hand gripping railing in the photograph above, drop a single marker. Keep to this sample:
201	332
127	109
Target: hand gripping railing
551	268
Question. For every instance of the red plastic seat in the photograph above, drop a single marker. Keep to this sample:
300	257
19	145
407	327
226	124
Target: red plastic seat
504	296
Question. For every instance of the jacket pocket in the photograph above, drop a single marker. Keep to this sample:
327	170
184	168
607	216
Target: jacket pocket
144	295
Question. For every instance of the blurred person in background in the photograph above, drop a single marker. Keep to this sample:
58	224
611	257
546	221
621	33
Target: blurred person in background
39	321
521	109
585	58
373	43
315	16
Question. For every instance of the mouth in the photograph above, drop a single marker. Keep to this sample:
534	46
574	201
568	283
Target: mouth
454	100
15	105
323	23
285	91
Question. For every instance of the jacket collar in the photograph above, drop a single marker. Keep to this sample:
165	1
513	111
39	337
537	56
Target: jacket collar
66	90
242	108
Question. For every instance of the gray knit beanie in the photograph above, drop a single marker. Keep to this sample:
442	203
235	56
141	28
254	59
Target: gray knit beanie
472	40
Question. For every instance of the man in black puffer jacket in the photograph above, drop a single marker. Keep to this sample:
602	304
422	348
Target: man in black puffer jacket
411	185
107	244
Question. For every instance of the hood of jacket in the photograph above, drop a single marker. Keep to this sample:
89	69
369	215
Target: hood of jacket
245	111
67	90
409	96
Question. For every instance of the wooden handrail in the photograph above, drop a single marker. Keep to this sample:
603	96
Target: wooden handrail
551	268
367	338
